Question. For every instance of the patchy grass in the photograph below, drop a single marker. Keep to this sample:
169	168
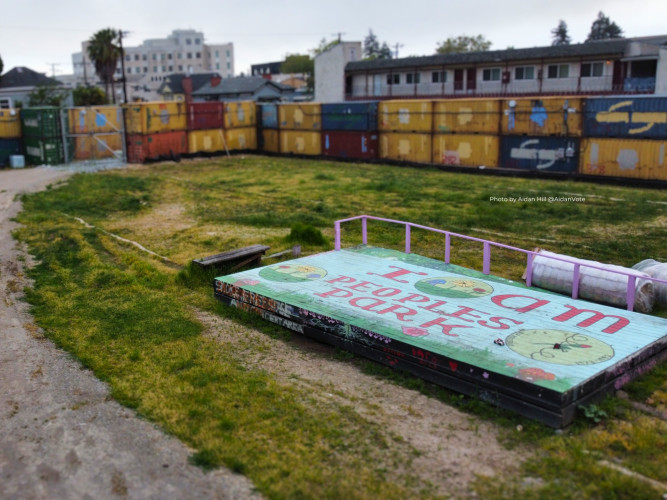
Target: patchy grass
128	317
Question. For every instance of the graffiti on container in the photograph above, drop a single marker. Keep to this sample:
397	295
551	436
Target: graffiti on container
404	116
538	114
548	157
425	358
645	120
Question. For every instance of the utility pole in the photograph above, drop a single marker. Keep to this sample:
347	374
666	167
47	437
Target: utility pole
398	46
53	68
122	62
339	35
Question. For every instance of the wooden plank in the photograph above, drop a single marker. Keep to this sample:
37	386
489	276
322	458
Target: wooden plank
252	252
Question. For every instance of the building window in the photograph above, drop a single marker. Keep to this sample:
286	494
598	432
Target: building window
154	57
524	73
154	69
180	67
217	65
189	55
188	41
439	77
196	41
558	71
229	65
412	78
169	56
217	53
144	57
591	69
171	68
198	55
164	69
393	79
227	54
491	74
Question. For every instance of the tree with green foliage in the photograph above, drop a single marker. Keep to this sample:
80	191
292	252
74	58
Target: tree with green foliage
324	46
560	35
89	96
463	43
104	53
373	49
300	63
47	95
604	29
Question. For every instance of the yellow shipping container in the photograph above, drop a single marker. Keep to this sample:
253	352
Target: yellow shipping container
94	119
405	116
271	141
303	116
466	116
633	158
152	117
466	150
405	147
241	138
10	124
97	147
301	142
543	116
240	114
206	141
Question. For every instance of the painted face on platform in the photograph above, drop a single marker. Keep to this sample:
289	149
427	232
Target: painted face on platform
292	273
454	287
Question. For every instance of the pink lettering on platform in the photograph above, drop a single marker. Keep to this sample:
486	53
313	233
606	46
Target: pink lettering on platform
401	272
596	316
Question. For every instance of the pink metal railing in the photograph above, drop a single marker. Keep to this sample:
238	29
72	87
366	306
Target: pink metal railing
487	244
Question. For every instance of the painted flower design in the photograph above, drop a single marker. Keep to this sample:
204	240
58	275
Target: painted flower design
246	282
464	283
414	331
535	374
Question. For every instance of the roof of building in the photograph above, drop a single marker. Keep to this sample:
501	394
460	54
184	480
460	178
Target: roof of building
174	83
613	47
25	77
241	85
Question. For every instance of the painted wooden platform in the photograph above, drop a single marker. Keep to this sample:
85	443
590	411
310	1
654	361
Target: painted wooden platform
534	352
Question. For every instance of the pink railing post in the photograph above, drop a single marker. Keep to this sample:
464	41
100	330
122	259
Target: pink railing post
630	296
487	258
337	237
448	242
407	238
364	231
529	269
575	281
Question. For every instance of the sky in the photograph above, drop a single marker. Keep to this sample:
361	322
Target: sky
43	34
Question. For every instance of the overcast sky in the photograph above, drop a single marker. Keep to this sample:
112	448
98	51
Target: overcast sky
43	34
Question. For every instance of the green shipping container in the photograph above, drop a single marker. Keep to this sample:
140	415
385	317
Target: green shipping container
42	122
39	151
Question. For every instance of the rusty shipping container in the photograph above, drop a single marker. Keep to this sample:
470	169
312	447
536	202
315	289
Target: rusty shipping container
301	142
270	141
629	117
301	116
350	144
205	115
360	116
94	147
631	158
10	124
149	118
165	145
540	154
268	115
466	150
94	120
466	116
410	147
43	150
41	122
206	141
558	116
240	114
406	116
241	139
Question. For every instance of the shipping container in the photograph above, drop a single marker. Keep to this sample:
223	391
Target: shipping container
631	158
630	117
270	141
95	147
361	116
41	122
406	116
559	116
240	114
240	139
149	118
165	145
347	144
10	124
541	154
205	115
466	150
94	120
9	147
206	141
409	147
301	142
43	150
269	115
466	116
302	116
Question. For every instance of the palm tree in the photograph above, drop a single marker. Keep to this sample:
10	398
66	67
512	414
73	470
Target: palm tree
104	53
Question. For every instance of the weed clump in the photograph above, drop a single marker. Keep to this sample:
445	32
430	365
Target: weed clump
306	234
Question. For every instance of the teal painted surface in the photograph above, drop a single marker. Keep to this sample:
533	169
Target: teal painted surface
549	340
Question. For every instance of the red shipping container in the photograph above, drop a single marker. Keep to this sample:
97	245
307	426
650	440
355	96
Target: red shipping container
350	144
205	115
165	145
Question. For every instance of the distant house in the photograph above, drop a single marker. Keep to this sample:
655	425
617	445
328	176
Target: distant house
250	88
17	84
175	87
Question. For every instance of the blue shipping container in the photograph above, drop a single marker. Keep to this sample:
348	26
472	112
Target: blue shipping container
9	147
360	116
269	115
632	117
543	154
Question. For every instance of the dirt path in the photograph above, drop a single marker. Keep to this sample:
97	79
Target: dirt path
61	435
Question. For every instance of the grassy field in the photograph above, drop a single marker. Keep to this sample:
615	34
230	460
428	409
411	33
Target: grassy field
134	319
